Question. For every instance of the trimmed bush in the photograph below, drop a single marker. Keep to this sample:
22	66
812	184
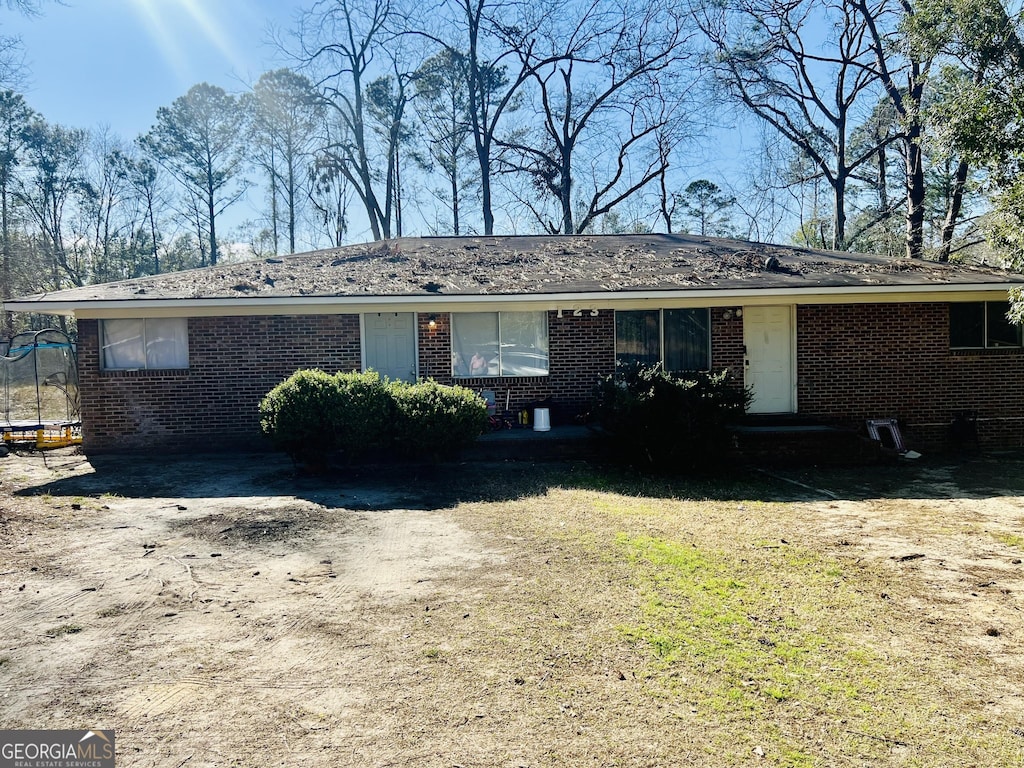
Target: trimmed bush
668	423
433	420
366	411
294	415
312	414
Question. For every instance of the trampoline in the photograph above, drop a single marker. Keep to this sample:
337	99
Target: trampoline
39	389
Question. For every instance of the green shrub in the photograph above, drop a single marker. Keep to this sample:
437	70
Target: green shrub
364	413
433	420
662	422
292	415
312	414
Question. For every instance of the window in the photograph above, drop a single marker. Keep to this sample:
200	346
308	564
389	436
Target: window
678	338
982	325
155	343
499	344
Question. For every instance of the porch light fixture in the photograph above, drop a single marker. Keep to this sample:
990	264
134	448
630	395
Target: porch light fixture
432	322
727	314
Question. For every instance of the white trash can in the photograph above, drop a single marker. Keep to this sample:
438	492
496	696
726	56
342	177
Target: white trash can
541	420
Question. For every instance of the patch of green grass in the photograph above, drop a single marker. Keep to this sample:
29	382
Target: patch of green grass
63	629
1009	539
753	633
432	653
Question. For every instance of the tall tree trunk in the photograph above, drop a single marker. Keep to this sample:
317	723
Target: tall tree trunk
213	231
839	212
274	215
455	195
152	232
915	193
5	275
956	202
292	202
483	154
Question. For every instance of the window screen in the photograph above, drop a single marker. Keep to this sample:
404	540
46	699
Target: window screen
638	337
1000	332
687	339
981	324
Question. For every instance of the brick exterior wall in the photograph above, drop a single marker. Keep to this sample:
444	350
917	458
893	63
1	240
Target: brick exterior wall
856	362
853	362
581	350
233	363
727	342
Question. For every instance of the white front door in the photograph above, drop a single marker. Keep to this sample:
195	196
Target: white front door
768	360
389	344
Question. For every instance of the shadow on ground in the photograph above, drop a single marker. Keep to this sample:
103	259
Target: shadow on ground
429	487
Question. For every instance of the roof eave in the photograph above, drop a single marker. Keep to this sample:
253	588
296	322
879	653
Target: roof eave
441	302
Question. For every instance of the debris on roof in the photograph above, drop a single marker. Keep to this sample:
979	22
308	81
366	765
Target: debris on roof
518	265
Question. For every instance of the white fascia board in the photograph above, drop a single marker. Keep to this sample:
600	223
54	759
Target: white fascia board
288	305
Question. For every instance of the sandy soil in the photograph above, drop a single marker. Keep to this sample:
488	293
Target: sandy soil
232	614
220	611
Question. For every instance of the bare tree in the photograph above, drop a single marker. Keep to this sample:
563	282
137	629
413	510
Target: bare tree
330	192
150	200
339	42
763	54
903	78
442	105
15	118
49	192
496	40
605	96
387	100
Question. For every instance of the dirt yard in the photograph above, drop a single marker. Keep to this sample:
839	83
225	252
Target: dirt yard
222	611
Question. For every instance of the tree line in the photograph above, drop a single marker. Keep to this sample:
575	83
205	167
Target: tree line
889	126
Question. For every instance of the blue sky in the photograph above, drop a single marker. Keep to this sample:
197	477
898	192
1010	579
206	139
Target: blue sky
110	64
96	63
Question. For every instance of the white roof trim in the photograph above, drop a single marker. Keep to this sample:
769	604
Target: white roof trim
255	305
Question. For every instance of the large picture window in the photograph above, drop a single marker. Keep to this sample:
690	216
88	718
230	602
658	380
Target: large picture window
499	344
982	325
678	338
153	343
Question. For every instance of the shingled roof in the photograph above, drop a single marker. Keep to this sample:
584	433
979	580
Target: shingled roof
532	266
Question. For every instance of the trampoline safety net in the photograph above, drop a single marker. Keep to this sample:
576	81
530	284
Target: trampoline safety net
39	390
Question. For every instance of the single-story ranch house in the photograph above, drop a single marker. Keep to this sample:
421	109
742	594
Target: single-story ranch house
182	360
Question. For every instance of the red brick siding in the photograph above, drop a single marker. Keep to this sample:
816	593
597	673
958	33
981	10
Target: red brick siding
581	350
856	362
233	363
853	362
727	343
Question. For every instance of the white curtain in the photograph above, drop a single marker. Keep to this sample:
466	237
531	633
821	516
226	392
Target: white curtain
499	344
138	343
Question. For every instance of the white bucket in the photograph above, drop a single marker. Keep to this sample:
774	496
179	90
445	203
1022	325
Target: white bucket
541	420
